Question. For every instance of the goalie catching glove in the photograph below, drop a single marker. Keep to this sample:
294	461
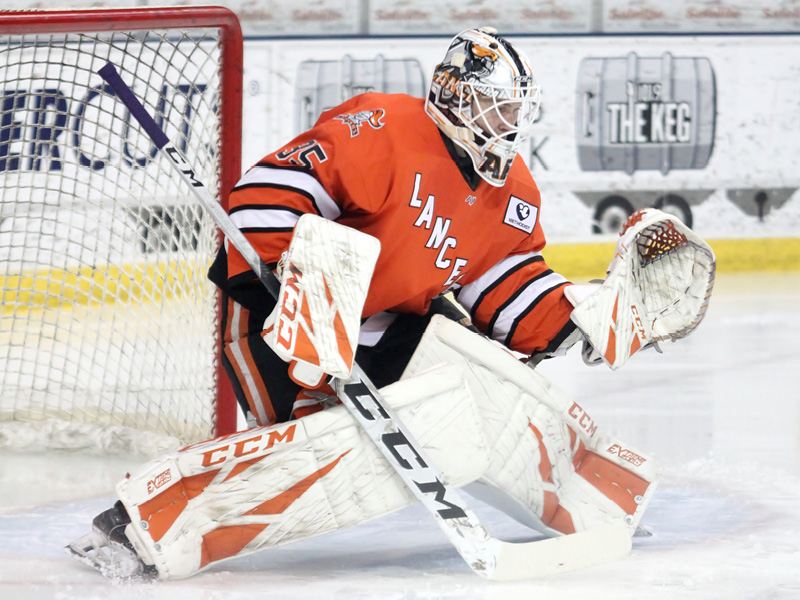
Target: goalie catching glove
657	288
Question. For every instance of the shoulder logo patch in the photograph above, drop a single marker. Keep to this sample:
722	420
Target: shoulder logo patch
373	117
521	215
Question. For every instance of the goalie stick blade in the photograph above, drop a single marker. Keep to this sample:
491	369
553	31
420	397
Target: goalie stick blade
561	554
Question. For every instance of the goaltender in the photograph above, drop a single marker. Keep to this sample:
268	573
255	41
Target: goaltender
395	201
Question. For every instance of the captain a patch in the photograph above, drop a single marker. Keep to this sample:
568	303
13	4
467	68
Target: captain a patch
521	215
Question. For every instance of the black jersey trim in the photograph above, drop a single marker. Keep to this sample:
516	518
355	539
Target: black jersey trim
490	288
566	330
512	297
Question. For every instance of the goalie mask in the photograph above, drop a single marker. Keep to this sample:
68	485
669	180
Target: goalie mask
484	97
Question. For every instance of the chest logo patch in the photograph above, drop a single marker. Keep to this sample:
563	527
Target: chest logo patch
521	215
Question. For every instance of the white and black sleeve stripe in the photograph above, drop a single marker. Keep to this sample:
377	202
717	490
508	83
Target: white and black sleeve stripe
264	218
296	180
512	311
472	294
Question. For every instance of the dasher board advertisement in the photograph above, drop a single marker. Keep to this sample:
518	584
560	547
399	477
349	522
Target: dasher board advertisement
699	126
635	113
715	16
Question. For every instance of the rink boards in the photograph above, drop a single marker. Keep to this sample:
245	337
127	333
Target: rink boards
695	124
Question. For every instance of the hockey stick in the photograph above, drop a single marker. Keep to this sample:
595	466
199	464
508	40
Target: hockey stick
486	555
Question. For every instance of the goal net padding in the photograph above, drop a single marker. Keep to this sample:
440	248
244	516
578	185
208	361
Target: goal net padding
108	322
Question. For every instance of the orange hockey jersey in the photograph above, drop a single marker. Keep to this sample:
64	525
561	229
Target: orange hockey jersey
378	163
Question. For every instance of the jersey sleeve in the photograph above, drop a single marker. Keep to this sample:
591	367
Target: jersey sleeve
520	302
321	172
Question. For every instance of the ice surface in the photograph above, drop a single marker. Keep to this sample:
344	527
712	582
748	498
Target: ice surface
720	410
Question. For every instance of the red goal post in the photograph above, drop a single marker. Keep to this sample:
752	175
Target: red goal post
108	321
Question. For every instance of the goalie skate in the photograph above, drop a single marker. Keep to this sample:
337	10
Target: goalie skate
107	549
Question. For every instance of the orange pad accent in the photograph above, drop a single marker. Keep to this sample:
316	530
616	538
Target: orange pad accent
614	481
195	484
553	514
161	511
225	542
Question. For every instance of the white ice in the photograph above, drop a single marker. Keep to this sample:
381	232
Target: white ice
720	411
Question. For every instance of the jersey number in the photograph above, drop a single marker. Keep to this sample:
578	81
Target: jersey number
301	155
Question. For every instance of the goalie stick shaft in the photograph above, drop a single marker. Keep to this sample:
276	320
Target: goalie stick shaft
487	556
179	162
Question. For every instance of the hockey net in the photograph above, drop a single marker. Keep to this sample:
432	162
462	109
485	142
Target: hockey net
108	323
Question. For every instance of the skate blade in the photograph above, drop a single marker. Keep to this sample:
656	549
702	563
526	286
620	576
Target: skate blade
642	531
111	559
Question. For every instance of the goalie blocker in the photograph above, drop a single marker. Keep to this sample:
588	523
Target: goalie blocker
325	277
488	422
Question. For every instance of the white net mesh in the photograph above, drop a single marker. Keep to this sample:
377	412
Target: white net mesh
107	317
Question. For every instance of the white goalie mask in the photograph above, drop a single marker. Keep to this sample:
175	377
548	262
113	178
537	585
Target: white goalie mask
484	97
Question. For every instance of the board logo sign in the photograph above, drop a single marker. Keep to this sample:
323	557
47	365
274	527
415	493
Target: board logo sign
645	113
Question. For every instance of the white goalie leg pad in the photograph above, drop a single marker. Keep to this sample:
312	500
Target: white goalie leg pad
658	288
551	467
273	485
324	283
